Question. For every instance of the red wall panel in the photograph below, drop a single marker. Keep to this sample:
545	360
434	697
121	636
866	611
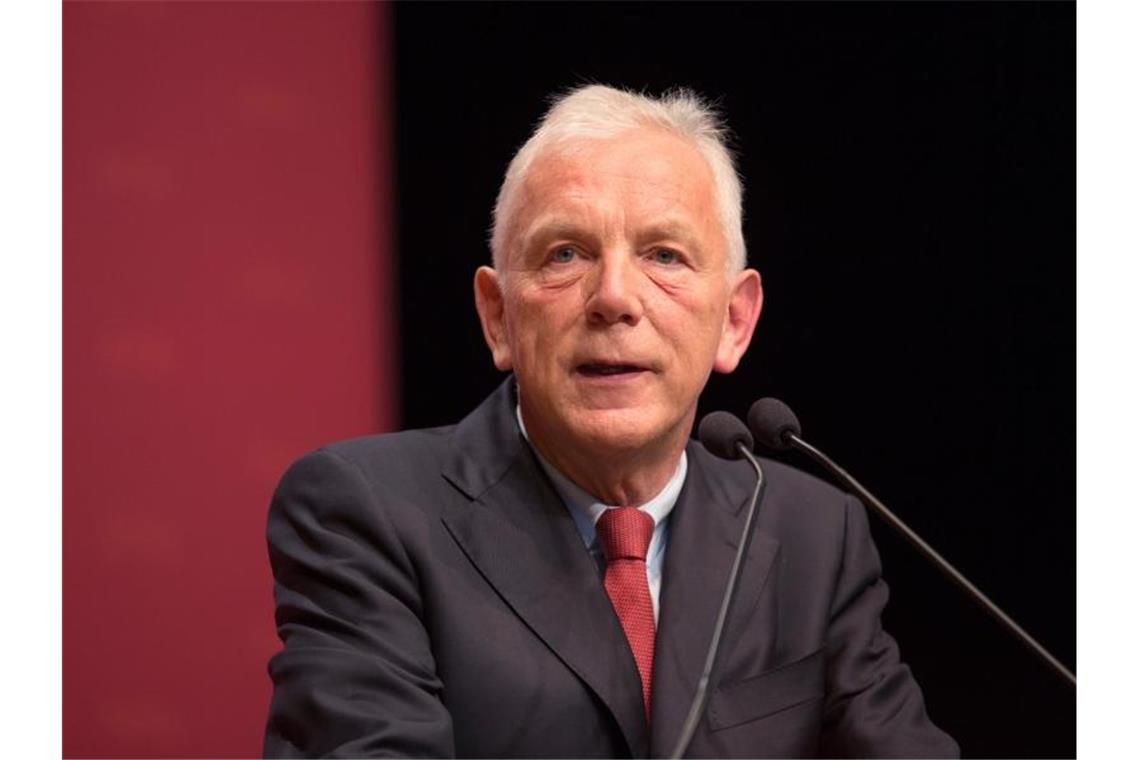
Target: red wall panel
226	307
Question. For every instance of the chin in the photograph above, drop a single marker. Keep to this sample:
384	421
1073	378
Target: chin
618	431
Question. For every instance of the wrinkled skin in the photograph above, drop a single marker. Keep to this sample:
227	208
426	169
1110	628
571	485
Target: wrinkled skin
614	305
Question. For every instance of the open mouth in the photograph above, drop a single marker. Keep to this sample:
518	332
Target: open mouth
608	370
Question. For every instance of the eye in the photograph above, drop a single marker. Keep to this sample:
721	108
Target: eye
563	255
665	256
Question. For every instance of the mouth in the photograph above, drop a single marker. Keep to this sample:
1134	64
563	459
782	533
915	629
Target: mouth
609	369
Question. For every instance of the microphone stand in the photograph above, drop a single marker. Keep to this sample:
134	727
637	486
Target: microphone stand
697	708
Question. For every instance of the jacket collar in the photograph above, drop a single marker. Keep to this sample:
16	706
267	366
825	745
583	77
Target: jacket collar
522	539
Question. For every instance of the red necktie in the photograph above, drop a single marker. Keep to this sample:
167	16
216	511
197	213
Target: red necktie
624	533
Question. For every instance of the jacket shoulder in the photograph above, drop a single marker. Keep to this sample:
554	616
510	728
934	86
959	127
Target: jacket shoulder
787	482
407	449
799	509
783	482
401	465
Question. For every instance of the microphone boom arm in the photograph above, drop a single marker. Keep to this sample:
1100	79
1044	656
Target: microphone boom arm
925	549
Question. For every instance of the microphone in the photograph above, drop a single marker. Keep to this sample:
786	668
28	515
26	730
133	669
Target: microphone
725	436
776	427
772	422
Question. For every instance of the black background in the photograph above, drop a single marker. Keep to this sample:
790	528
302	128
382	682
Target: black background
909	180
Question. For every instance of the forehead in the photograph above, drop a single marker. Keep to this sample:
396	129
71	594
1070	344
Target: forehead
644	172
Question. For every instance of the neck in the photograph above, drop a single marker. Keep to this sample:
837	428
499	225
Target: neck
621	477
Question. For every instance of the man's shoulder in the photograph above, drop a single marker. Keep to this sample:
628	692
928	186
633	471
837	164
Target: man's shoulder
409	458
790	494
789	483
398	449
781	480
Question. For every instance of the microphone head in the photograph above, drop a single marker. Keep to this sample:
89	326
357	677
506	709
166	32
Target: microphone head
720	432
771	421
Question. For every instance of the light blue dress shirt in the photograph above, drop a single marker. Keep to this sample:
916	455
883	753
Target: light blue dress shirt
585	509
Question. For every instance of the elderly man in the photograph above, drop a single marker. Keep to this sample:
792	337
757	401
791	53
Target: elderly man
542	579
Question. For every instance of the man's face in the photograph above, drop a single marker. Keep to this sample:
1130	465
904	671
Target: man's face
615	303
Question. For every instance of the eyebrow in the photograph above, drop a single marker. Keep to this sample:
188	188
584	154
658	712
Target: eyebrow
672	229
552	226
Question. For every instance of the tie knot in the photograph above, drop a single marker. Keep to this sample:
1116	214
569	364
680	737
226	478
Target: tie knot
625	533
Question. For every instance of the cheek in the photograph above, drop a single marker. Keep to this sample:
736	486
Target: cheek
692	323
536	329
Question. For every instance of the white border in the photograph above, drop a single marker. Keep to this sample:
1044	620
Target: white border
1108	381
1108	384
31	380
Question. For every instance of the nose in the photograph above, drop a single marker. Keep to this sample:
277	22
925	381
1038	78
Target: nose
614	295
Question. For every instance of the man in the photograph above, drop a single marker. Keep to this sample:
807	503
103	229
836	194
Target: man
543	578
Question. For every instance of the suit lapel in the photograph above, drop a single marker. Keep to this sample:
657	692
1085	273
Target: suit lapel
522	539
704	531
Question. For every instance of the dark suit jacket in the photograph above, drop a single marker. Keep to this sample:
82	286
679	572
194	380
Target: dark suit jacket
435	598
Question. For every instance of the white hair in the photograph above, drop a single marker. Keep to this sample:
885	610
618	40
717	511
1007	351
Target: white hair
599	112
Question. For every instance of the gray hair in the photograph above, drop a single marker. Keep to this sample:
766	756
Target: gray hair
599	112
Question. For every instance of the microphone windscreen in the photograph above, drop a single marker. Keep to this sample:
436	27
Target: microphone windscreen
721	431
771	421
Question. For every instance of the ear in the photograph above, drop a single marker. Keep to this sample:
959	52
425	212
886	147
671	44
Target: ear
489	304
745	299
